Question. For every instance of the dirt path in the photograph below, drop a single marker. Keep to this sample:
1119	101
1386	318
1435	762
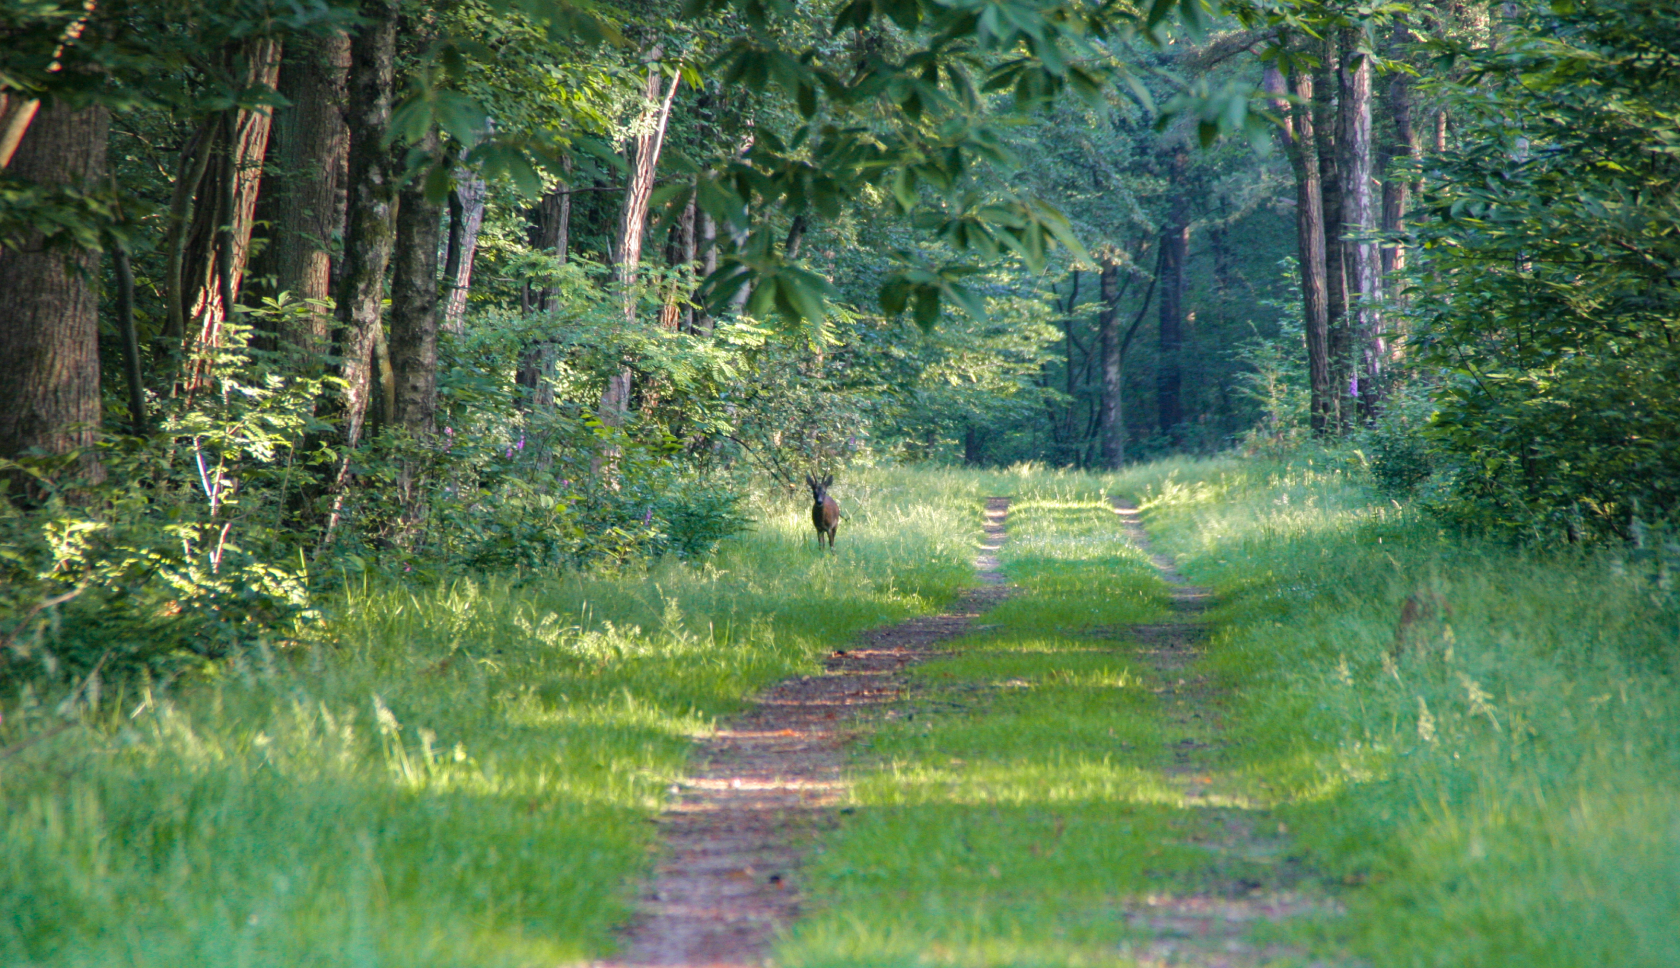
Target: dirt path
1211	927
767	782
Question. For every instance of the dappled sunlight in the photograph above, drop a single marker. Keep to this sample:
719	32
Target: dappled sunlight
453	774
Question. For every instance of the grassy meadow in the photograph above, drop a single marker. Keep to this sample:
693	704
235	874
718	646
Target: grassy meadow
1024	797
448	776
463	775
1497	777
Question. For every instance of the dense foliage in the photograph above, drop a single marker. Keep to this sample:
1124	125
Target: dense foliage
1546	298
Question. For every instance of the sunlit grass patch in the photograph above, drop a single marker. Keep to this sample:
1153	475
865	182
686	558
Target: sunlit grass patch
457	775
1026	794
1497	772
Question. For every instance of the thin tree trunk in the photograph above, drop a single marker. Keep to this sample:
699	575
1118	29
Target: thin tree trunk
687	254
1336	281
466	217
49	320
1302	148
1111	421
1175	253
549	231
371	213
708	262
414	308
1359	219
123	269
644	160
303	187
1401	148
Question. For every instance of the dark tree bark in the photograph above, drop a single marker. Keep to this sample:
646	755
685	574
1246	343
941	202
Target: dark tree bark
414	307
549	230
1336	278
49	320
1175	253
1369	352
1398	149
303	186
123	269
369	230
1302	148
1111	420
218	236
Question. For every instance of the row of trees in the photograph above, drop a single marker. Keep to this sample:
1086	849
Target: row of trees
403	202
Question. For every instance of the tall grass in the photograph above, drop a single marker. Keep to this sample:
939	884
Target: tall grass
457	775
1017	792
1504	787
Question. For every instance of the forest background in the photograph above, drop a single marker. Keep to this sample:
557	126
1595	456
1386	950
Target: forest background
309	293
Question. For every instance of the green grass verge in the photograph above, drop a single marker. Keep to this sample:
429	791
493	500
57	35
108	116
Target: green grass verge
1505	789
453	776
1022	798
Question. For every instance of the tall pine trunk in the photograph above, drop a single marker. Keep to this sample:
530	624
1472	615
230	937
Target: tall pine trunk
414	307
1400	148
1359	219
369	223
1325	128
303	187
644	161
1175	253
49	320
1302	148
1112	416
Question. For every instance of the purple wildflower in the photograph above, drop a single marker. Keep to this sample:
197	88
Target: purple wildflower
647	518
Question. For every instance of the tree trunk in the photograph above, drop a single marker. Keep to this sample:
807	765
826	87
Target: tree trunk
1336	283
549	230
1111	421
1302	148
1175	252
644	160
303	186
218	239
49	320
688	249
466	217
414	307
707	257
1359	220
369	228
1396	187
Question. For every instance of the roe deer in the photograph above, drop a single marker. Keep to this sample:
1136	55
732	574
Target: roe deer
825	511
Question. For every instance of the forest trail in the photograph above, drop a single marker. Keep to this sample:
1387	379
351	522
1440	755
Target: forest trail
768	782
1212	927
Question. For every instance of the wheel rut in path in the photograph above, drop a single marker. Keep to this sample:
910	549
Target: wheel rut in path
769	781
1211	926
